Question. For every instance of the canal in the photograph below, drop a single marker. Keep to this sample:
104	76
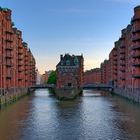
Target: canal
94	116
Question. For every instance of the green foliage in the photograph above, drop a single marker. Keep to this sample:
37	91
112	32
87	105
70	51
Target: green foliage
52	78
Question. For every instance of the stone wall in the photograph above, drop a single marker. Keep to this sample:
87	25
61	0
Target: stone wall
132	94
11	95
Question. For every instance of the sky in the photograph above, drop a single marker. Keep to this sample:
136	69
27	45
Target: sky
54	27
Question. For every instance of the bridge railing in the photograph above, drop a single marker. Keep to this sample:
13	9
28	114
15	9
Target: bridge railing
97	86
43	86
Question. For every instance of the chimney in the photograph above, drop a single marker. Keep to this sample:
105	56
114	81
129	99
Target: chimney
61	57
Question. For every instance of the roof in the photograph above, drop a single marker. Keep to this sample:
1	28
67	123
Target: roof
70	60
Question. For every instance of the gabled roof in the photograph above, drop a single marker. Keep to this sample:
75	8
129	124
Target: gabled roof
70	60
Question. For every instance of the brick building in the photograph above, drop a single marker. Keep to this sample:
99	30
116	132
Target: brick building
105	72
122	70
113	65
69	71
136	48
44	77
92	76
17	64
123	67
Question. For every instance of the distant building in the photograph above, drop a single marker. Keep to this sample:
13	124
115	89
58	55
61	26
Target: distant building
92	76
105	72
45	76
38	77
69	71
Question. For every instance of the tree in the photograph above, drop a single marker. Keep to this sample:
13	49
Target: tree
52	78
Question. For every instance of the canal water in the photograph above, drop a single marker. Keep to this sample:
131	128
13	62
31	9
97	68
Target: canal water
96	115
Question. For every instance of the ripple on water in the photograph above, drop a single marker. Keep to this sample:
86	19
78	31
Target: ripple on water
94	116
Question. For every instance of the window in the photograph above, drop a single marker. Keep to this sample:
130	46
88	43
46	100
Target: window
76	62
67	62
69	84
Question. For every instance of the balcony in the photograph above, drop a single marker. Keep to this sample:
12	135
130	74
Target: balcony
8	76
136	75
122	64
136	30
123	78
122	52
115	73
9	48
136	38
122	70
20	52
122	57
136	64
20	64
8	64
20	47
136	56
9	32
8	56
115	60
26	60
19	79
137	47
122	46
122	38
20	70
20	58
26	73
114	55
9	39
135	19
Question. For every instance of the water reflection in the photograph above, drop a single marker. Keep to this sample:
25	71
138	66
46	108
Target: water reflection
96	115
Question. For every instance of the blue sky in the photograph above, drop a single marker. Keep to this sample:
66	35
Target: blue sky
54	27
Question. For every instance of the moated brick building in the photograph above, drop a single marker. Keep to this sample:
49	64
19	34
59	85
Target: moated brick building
69	71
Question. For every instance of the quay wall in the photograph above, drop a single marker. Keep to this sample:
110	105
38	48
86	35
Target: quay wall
132	94
11	96
67	93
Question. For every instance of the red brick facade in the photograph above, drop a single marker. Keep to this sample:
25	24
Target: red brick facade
136	48
122	70
69	71
17	64
105	72
92	76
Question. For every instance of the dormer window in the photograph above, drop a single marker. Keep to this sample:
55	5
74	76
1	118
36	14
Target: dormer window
67	62
76	61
